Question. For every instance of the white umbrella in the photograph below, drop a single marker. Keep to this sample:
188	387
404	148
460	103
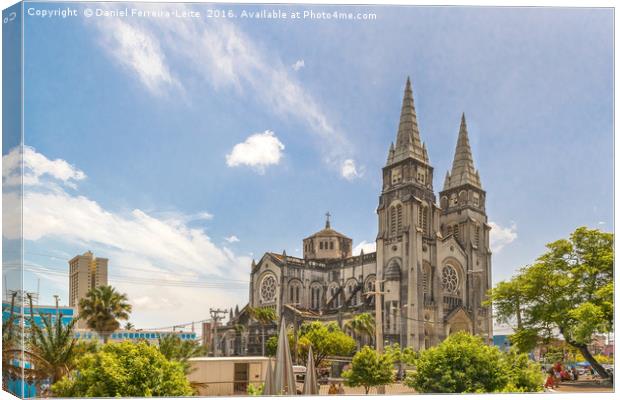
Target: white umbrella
284	377
310	382
269	381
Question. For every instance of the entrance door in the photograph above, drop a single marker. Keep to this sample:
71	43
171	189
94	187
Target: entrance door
241	378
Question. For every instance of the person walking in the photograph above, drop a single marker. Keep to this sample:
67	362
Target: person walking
550	381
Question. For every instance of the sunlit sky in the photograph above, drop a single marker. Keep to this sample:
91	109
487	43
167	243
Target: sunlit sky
180	149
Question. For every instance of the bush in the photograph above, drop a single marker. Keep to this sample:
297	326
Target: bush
464	364
369	369
124	369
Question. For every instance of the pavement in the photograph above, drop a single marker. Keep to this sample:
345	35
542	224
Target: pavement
584	385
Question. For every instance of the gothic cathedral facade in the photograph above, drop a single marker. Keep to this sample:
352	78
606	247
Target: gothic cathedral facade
432	262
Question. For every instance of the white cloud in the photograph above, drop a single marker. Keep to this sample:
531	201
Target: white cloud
502	236
167	248
37	167
225	57
368	247
137	50
299	64
258	151
349	170
232	239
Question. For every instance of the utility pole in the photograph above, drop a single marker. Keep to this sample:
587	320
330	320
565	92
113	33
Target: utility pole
378	322
215	316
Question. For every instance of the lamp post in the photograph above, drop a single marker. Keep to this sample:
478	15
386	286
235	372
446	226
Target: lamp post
378	323
294	330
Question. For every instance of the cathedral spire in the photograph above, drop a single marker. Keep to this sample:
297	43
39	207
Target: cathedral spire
408	142
463	171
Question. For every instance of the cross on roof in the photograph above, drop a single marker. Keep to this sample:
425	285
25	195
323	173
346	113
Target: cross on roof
327	215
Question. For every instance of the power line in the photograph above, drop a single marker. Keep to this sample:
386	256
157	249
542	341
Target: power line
167	269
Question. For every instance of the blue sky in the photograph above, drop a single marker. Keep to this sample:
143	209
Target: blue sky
178	134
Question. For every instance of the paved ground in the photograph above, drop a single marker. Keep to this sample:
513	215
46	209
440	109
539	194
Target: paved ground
396	388
585	385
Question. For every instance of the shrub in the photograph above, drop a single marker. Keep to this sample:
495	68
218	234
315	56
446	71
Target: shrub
124	369
464	364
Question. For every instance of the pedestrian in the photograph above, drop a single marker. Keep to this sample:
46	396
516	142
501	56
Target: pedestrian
549	382
575	373
557	377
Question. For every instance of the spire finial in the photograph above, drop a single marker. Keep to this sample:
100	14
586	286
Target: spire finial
408	142
327	224
463	171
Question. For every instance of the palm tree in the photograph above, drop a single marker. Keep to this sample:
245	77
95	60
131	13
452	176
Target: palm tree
129	326
362	325
11	344
102	308
52	346
264	316
175	349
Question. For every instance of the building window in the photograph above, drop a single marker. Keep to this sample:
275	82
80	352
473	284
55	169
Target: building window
456	232
331	245
426	278
268	289
476	199
450	280
477	236
396	219
315	297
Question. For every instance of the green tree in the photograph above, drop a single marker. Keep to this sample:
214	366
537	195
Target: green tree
362	326
11	343
325	339
52	345
523	374
271	346
569	289
175	349
124	369
264	316
464	364
369	369
129	326
102	308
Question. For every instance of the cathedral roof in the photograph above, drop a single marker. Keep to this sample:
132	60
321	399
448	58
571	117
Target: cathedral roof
408	142
463	171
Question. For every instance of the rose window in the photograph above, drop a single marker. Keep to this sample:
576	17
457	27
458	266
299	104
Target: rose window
268	289
450	279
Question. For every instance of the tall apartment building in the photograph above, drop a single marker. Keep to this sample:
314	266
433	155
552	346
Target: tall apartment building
85	272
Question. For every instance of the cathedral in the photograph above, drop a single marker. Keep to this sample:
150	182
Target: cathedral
430	271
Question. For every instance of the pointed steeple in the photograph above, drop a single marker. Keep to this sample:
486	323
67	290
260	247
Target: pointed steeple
463	171
390	158
408	142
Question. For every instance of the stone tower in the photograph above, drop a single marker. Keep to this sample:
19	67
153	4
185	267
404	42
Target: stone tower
463	216
407	229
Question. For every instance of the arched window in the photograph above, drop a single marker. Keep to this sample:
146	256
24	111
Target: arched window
268	289
335	297
423	219
444	202
426	278
396	219
295	293
315	300
450	280
370	287
477	235
456	232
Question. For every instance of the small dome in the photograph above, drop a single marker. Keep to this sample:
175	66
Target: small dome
392	273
